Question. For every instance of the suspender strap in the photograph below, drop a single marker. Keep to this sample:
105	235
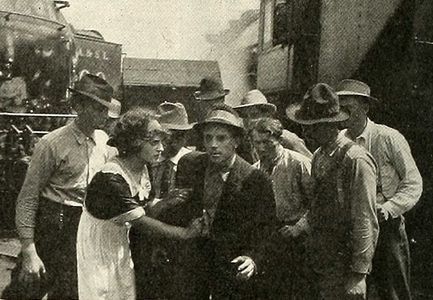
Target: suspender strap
340	170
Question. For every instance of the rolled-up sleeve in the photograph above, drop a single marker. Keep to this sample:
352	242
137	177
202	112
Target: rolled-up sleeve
40	169
365	227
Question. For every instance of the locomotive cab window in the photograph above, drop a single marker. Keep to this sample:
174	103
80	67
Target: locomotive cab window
280	32
276	18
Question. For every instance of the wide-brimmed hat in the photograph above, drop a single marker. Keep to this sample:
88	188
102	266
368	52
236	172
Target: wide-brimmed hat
255	98
222	114
320	105
173	116
351	87
95	88
210	89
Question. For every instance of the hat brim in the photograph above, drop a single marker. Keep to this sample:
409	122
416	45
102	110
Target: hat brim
269	107
210	96
220	121
93	97
349	93
184	127
294	108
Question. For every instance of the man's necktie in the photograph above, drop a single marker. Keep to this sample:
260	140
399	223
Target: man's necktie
168	178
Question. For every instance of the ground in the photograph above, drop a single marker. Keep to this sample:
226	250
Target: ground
9	249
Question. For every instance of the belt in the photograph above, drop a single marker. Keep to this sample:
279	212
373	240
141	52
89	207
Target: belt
57	211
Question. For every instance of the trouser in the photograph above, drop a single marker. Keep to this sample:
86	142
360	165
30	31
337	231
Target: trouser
333	287
391	263
207	274
157	274
55	240
289	276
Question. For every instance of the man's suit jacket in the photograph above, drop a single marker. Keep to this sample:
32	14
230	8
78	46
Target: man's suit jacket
245	215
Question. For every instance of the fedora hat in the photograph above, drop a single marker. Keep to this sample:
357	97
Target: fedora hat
95	88
173	116
320	105
351	87
210	89
222	114
255	98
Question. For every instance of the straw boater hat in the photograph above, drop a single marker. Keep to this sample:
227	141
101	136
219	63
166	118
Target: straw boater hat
351	87
320	105
97	89
255	98
222	114
210	89
173	116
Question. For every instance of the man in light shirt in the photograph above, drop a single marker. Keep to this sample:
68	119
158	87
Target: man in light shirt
399	187
293	190
50	202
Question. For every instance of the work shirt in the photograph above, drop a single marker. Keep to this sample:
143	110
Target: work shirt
63	163
399	181
342	217
292	184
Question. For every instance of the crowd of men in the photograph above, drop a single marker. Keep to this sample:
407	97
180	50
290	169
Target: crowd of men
281	222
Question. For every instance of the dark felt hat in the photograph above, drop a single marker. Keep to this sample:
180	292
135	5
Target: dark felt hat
210	89
95	88
320	105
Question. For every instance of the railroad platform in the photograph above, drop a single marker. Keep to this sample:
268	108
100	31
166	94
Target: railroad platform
9	249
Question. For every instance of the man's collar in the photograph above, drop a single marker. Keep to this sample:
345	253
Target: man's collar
365	135
331	148
277	158
175	159
280	152
78	134
226	172
226	169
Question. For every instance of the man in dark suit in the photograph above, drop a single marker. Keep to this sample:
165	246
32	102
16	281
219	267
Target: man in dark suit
239	202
